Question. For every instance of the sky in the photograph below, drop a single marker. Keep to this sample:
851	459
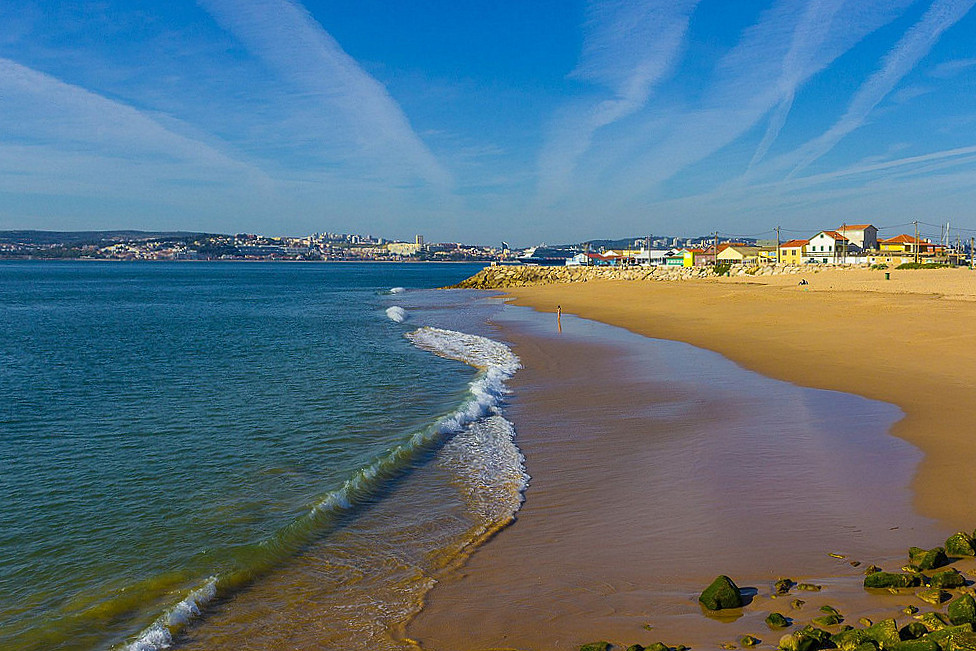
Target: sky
527	122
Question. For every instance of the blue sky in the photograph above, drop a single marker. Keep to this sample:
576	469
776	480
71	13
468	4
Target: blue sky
523	121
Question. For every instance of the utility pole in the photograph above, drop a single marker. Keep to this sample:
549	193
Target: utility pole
715	250
916	240
647	245
777	245
972	247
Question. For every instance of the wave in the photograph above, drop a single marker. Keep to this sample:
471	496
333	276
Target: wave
396	313
475	440
391	290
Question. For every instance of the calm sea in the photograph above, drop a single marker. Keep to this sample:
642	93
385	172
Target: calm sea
230	455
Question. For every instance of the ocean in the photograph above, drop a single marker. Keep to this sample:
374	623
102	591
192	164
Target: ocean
236	455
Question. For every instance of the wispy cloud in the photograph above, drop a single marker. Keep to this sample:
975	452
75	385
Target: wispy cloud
949	69
349	103
41	111
792	41
901	60
628	48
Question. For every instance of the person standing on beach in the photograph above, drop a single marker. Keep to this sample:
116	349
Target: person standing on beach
559	317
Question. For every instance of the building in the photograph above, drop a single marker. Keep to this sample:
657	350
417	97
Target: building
863	236
738	254
793	252
403	248
827	247
907	244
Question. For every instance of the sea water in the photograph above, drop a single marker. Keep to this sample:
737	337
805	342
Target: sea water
242	455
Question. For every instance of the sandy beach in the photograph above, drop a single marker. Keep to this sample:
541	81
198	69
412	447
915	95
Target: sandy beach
595	555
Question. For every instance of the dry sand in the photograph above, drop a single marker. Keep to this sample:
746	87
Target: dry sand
910	341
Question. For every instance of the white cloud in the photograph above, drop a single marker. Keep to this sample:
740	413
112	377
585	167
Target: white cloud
347	102
628	48
903	58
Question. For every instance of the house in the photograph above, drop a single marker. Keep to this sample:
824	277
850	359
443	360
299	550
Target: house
829	247
702	257
767	255
906	244
792	252
588	260
863	236
694	257
737	254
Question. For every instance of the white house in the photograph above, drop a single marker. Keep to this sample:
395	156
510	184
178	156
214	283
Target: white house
830	247
864	236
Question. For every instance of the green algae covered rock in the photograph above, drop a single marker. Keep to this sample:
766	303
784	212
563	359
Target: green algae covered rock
828	620
933	621
799	642
749	641
934	596
721	594
928	559
596	646
914	645
964	641
892	580
636	647
960	544
657	646
885	633
867	646
943	637
913	631
962	610
950	578
776	620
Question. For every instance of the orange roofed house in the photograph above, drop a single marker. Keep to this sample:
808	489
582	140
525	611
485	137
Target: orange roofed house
792	252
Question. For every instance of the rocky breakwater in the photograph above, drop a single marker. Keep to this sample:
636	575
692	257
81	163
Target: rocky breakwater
501	277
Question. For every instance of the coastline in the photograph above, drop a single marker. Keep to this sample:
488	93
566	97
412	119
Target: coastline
907	342
635	503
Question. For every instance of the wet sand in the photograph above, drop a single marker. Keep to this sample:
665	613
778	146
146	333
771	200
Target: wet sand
656	466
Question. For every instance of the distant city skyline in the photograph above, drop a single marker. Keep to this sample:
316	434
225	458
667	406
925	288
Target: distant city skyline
474	122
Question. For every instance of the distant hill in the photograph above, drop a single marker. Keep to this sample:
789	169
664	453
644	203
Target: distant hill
79	238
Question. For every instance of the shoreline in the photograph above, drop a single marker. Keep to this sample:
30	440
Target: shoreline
592	556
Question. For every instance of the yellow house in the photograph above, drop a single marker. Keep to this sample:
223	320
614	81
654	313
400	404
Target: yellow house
738	254
906	244
792	252
767	255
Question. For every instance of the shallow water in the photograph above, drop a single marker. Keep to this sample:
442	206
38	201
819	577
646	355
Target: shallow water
174	434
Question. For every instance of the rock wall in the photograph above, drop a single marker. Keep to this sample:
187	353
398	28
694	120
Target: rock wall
500	277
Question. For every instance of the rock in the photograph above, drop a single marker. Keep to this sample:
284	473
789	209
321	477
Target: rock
950	578
943	636
892	580
636	647
914	645
809	587
963	641
828	620
657	646
871	569
909	610
960	544
864	621
797	604
867	645
962	610
928	559
933	596
830	610
721	594
798	642
748	641
912	631
884	633
782	586
776	620
933	621
596	646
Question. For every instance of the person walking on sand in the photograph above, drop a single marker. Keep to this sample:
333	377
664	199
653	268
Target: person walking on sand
559	317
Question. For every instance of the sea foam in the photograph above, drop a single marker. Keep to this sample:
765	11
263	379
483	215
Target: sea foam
478	444
396	313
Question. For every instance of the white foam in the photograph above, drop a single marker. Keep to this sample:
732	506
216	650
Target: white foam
396	290
396	313
159	635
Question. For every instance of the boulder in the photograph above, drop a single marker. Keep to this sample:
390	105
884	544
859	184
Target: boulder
943	636
912	631
933	621
596	646
828	620
914	645
776	620
749	641
928	559
933	596
892	580
962	610
950	578
963	641
721	594
960	544
657	646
